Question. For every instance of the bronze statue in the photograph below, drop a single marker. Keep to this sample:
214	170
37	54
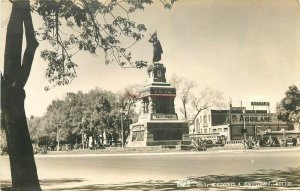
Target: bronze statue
157	49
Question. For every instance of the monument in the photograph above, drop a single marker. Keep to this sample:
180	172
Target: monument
158	123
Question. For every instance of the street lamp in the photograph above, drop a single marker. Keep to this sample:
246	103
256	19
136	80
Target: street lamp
57	136
122	129
244	128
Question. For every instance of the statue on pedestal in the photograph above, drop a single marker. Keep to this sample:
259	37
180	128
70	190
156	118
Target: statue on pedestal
157	49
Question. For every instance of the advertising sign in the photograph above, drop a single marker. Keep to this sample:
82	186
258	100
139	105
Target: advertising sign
137	128
237	108
254	118
259	103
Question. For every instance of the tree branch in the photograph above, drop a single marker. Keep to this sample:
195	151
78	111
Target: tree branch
31	45
13	47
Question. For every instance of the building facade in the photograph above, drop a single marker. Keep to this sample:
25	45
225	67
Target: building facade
211	123
230	123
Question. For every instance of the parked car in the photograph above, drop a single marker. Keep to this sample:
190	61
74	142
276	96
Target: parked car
269	142
220	142
208	143
290	141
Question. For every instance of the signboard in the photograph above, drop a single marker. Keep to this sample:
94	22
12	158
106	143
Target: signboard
137	128
254	118
237	108
257	103
144	117
164	117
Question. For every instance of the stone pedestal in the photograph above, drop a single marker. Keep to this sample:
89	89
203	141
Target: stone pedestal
158	123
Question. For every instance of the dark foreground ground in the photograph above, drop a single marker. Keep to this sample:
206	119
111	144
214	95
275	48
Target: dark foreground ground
210	170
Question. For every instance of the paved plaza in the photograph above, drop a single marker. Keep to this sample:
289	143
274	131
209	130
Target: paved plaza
268	169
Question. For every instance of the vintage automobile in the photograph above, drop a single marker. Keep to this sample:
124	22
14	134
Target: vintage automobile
208	143
291	141
269	142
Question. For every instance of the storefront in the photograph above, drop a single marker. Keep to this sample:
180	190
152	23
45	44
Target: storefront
254	123
230	123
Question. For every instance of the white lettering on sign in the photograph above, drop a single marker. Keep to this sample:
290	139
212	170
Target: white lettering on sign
164	116
144	117
254	118
237	108
257	103
137	128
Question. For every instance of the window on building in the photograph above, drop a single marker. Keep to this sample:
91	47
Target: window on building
234	118
208	118
219	130
205	130
225	129
214	130
197	125
200	119
204	119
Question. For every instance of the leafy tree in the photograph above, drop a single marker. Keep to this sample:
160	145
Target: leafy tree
74	108
288	108
35	128
56	121
79	116
127	101
95	31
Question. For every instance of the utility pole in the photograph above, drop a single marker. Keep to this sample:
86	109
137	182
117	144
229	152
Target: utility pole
122	128
57	137
244	128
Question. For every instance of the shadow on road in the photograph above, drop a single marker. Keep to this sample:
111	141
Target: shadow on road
5	185
288	179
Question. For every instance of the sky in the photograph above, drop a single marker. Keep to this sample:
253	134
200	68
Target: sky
249	50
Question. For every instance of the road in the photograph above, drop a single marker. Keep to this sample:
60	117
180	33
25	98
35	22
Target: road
123	172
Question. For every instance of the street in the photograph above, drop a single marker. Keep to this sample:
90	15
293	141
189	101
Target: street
163	171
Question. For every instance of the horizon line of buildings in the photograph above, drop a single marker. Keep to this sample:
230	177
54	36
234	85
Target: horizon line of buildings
230	123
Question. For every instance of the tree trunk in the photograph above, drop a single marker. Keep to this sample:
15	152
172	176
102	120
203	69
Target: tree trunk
16	72
184	110
22	164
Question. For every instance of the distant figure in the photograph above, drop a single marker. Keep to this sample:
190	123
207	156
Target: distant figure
91	142
157	49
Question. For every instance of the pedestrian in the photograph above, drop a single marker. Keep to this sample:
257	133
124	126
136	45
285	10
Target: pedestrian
90	142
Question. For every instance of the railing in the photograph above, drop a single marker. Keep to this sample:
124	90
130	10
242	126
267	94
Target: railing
234	142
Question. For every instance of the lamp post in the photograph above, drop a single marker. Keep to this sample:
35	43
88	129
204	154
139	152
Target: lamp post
244	128
57	137
122	129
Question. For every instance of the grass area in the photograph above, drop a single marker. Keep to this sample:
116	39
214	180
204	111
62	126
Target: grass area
158	149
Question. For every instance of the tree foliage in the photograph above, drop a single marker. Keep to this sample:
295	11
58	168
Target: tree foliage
289	106
96	26
95	112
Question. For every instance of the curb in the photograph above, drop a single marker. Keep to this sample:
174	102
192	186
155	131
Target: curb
167	153
161	153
